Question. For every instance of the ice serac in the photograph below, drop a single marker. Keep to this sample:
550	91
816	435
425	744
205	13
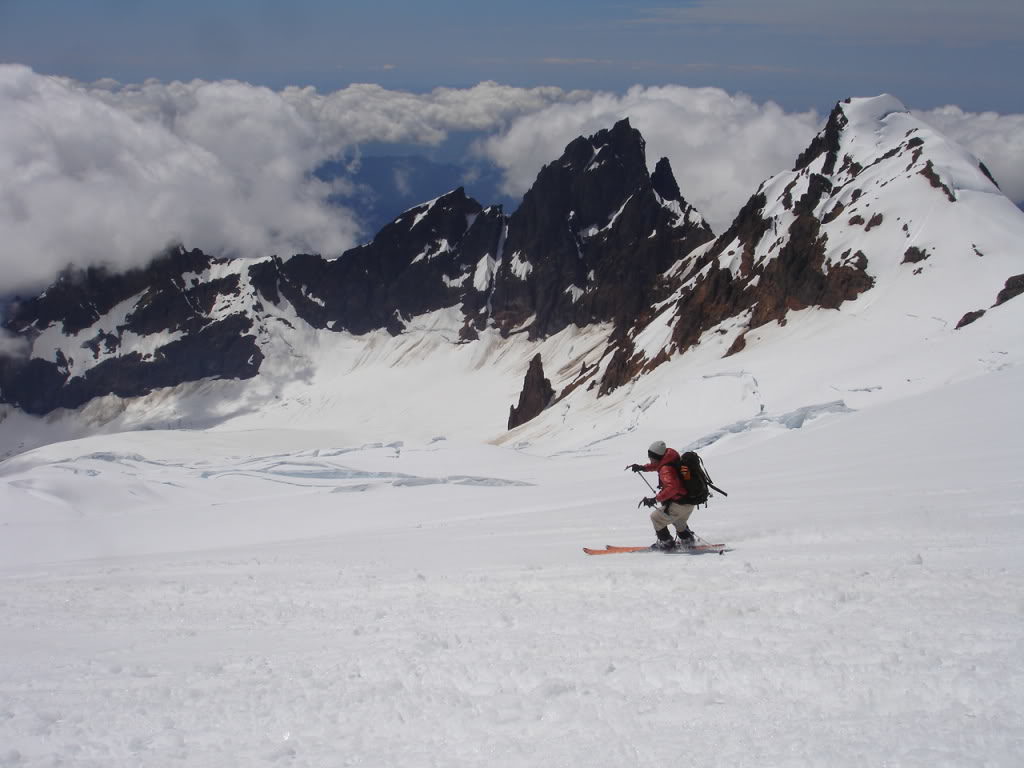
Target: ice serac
537	395
593	237
878	197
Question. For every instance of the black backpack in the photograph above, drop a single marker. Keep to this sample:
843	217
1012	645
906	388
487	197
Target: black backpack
699	485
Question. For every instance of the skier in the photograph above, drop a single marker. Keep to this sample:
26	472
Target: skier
669	504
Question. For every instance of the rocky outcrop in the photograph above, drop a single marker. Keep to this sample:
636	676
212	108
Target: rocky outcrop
590	244
592	238
79	298
84	332
863	190
424	260
598	239
537	395
826	143
778	257
969	318
1013	287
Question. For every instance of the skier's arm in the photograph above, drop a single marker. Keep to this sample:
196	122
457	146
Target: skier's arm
642	467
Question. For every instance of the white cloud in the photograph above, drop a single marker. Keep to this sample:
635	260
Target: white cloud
401	177
997	140
12	346
94	175
721	145
105	173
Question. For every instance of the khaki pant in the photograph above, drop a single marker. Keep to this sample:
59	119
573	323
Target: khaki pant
673	513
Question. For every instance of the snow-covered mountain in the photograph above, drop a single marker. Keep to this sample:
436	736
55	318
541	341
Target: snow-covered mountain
879	211
345	556
885	238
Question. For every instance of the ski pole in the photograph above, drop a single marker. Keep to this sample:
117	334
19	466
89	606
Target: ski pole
649	485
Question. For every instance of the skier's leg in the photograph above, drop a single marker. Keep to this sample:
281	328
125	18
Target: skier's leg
660	521
679	515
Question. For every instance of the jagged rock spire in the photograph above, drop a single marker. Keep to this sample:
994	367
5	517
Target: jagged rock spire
537	395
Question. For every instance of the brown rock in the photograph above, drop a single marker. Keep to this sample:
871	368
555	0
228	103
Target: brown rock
1014	286
969	318
537	395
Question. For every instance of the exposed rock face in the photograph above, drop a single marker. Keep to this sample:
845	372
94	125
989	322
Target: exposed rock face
865	198
1013	287
775	257
825	144
969	318
592	238
537	395
589	244
421	262
192	321
78	298
598	239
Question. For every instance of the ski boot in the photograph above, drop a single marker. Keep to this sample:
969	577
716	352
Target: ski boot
686	538
665	542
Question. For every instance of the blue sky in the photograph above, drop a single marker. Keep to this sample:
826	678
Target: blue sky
799	53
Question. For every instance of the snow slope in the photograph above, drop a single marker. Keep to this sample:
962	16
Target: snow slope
292	598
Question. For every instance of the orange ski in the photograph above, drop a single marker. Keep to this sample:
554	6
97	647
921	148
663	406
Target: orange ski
696	549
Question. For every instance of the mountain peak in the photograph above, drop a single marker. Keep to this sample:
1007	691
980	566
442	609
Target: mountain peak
878	197
869	111
664	181
591	236
850	116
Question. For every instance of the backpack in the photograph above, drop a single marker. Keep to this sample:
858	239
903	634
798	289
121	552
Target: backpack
699	484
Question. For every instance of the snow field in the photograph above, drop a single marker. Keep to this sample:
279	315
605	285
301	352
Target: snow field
288	661
271	602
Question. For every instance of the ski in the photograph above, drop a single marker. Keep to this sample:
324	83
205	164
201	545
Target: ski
702	547
696	549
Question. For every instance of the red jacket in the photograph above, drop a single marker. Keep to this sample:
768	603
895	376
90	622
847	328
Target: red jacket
669	480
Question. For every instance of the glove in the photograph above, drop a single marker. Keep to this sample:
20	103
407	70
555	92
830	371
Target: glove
650	501
636	468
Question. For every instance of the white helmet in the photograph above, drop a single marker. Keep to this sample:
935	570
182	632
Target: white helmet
657	449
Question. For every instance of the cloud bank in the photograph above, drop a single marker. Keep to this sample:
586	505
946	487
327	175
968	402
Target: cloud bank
13	346
111	173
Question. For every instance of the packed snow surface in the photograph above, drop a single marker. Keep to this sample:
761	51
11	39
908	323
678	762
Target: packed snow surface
306	598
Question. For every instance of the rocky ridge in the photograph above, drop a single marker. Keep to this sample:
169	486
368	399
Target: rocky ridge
588	245
877	196
599	242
